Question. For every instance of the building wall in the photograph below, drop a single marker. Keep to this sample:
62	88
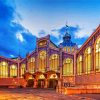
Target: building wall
93	76
32	63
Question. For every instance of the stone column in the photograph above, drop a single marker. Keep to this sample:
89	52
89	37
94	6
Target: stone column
46	83
60	79
59	86
24	83
74	68
92	58
83	65
47	60
8	69
35	83
60	62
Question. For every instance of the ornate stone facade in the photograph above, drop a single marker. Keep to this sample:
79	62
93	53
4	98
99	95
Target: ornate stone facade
51	66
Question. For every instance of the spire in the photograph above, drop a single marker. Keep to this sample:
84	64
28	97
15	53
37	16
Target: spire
67	36
67	27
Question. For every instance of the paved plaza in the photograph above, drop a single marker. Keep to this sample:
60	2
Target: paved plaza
41	94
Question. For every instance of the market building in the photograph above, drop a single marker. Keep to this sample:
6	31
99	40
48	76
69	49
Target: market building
51	66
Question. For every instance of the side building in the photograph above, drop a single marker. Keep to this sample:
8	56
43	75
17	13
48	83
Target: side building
88	62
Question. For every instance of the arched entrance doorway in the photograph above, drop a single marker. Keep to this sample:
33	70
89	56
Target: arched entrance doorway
41	81
53	81
30	81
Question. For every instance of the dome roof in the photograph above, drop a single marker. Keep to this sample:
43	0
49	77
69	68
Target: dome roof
67	36
67	39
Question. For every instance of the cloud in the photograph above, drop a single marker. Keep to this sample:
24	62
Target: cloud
19	37
12	56
11	32
84	32
59	33
79	46
42	33
72	30
55	33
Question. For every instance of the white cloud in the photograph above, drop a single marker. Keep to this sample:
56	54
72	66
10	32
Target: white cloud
86	28
43	19
37	26
55	33
41	33
83	32
60	41
19	37
12	55
79	46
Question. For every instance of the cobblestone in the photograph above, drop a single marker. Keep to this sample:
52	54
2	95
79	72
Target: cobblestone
38	94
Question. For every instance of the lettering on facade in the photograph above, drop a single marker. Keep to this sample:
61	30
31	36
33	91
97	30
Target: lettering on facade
67	84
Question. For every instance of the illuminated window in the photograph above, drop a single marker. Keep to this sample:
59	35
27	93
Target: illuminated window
97	55
31	65
42	61
30	77
68	49
53	76
13	71
42	43
3	69
73	49
65	49
23	67
42	77
68	67
79	65
54	62
87	60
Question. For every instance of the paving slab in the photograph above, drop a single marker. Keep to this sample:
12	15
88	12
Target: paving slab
39	94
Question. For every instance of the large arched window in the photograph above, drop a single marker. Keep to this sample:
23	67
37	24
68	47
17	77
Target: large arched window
31	65
42	61
79	65
68	67
23	68
87	60
13	71
3	69
97	54
54	62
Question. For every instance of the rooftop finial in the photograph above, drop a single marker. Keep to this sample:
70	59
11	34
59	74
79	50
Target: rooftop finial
66	24
67	36
66	27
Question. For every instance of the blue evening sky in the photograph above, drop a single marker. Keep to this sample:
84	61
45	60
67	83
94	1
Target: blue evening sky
21	21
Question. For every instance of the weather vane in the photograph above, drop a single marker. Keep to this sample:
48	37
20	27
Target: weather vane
67	26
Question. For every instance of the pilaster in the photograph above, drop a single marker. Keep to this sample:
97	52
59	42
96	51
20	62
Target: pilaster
35	83
46	83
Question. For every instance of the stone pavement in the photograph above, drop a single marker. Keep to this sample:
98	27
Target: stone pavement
37	94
